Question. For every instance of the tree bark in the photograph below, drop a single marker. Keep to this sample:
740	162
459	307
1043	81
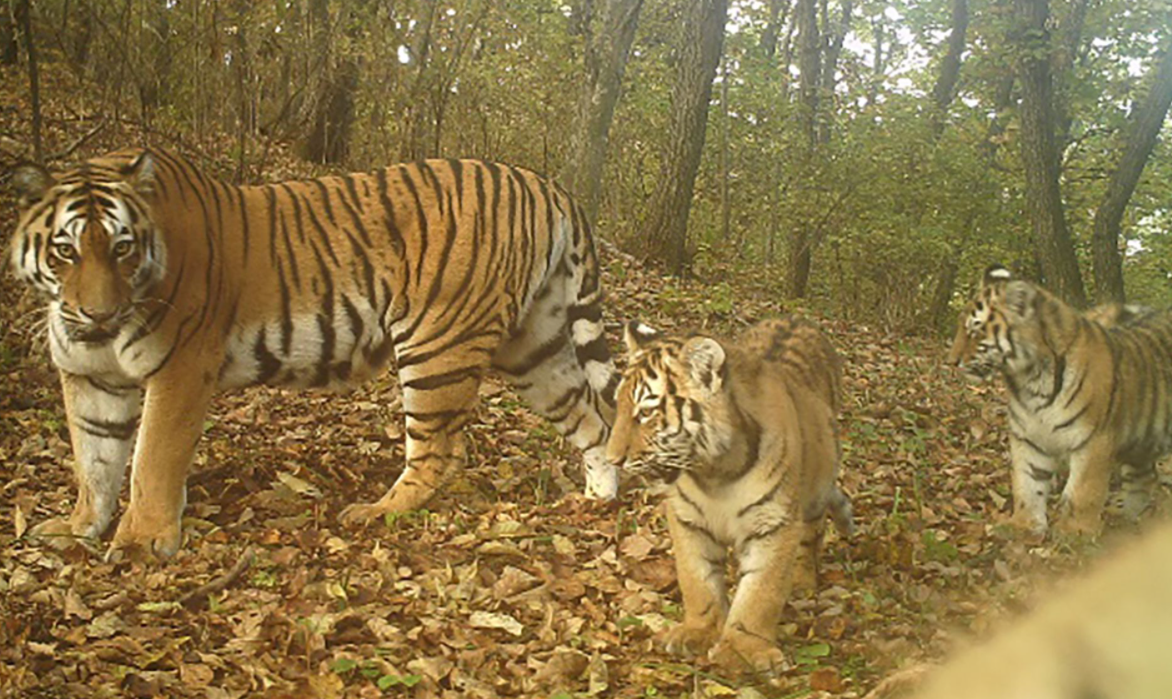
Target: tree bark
1040	155
1142	133
24	18
9	49
333	117
945	88
777	12
809	62
701	40
417	138
607	51
830	68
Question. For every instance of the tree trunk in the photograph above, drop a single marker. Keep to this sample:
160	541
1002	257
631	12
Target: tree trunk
809	61
23	16
607	51
1141	139
417	138
830	68
1039	154
701	40
9	49
333	117
777	12
945	88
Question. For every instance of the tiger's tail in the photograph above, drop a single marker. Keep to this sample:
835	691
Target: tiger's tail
842	513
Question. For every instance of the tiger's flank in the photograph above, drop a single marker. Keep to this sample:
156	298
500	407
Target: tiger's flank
166	285
1089	394
745	433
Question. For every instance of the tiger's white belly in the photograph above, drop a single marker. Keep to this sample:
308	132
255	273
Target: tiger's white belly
260	354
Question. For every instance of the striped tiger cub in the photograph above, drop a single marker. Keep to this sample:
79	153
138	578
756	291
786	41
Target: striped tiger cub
1087	392
165	285
745	434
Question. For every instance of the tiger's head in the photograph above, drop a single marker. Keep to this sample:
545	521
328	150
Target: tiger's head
673	408
1000	329
86	239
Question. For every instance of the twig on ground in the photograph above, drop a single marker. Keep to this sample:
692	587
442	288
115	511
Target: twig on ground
200	594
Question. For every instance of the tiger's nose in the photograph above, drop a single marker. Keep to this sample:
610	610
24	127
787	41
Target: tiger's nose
99	315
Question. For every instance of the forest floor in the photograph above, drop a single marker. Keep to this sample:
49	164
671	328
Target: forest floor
510	583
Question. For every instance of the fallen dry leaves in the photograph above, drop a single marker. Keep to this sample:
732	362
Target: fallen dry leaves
510	584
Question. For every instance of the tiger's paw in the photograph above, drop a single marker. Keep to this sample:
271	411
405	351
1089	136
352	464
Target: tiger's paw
1026	527
159	538
361	514
741	652
61	533
1073	525
689	639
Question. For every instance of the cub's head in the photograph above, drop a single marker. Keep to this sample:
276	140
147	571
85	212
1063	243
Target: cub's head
999	326
86	239
673	411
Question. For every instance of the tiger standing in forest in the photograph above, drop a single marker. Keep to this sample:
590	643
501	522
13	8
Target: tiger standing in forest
1087	393
745	433
166	285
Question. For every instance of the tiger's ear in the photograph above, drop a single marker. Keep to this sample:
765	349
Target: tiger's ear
141	173
1019	299
705	362
31	181
996	273
637	335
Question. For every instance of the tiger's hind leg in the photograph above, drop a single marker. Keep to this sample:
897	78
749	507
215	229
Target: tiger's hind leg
1135	495
559	363
103	420
1086	488
439	400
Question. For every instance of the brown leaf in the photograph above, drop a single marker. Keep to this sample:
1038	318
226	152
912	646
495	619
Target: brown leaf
826	679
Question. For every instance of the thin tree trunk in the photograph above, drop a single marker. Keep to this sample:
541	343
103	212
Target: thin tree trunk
23	16
1039	154
9	48
725	200
416	138
945	88
701	40
777	12
1143	131
809	61
830	69
607	51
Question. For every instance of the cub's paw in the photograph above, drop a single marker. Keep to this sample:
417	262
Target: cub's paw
689	640
60	533
740	652
1026	528
1073	525
360	514
160	539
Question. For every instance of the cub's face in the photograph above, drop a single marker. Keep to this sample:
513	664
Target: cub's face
85	238
997	327
671	406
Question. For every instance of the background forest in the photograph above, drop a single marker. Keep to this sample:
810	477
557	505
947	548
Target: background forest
862	161
868	155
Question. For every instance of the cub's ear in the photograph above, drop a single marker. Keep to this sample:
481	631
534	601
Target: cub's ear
637	335
30	182
705	362
1019	299
141	173
996	273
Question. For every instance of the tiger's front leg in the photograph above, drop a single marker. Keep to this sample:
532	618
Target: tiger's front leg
103	418
176	404
1033	477
1081	506
767	560
700	569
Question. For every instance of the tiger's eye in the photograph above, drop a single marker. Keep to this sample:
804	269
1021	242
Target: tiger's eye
122	248
65	251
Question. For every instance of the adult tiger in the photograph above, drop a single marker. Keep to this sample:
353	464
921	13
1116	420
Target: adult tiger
166	285
745	432
1086	392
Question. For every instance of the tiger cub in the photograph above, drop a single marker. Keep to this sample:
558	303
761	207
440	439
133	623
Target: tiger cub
1087	392
745	434
165	285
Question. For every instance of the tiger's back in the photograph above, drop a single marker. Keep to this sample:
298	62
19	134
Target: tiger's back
452	267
